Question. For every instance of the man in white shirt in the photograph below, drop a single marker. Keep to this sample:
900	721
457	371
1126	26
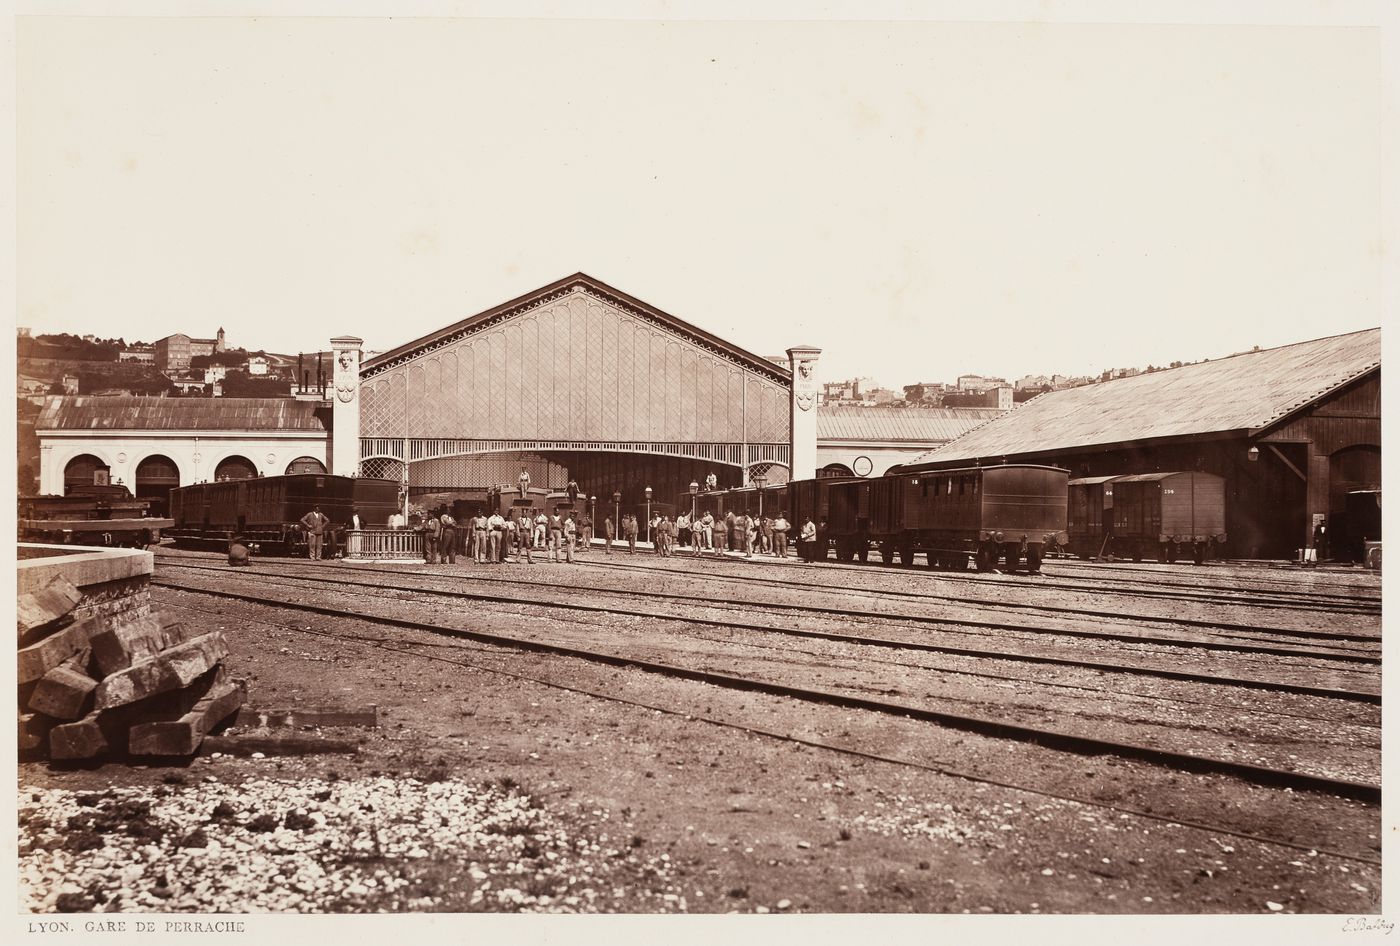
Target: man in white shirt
494	527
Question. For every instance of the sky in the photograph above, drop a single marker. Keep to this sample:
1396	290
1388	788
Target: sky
920	199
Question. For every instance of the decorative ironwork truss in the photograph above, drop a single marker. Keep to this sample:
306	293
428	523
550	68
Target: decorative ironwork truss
408	449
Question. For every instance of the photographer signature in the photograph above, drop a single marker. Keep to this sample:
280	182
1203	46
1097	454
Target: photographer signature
1364	924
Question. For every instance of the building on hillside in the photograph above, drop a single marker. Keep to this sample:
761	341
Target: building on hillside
140	356
844	392
976	383
173	352
1292	430
867	441
257	366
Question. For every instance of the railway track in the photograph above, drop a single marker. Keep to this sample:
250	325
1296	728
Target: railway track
995	728
984	603
1372	697
1283	590
1258	600
937	767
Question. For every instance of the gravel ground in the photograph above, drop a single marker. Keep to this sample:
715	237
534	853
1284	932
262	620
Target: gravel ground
320	845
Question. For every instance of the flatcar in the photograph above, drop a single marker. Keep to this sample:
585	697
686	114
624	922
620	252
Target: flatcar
97	515
267	511
1012	512
1169	515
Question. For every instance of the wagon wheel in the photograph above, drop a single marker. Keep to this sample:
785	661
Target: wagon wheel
906	556
1199	555
1013	559
1163	556
1033	560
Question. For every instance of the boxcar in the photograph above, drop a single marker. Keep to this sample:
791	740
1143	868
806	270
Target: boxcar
1168	514
1090	514
990	514
268	510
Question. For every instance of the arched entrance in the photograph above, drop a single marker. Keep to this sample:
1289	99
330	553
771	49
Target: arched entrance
156	476
235	468
306	465
85	470
1350	519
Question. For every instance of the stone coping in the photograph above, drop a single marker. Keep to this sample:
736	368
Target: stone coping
82	565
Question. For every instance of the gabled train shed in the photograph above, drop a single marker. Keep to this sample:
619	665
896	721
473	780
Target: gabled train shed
1293	430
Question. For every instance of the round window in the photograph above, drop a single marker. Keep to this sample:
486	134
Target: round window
862	466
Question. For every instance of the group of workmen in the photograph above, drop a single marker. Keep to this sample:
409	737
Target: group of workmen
496	538
500	538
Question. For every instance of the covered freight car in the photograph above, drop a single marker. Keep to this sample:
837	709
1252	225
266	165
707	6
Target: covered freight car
1168	515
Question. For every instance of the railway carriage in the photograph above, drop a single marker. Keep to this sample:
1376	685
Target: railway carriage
1090	515
988	514
267	511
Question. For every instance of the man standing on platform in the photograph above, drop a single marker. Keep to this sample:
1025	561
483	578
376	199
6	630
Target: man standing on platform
609	533
495	526
556	535
523	480
449	537
314	522
707	529
780	536
809	541
524	531
570	537
585	532
479	527
629	532
720	532
432	538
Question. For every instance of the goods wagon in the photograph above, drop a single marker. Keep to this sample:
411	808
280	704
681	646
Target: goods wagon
1168	515
797	501
989	514
1090	515
267	511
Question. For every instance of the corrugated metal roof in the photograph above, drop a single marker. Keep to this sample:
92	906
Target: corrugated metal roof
179	413
905	424
1242	392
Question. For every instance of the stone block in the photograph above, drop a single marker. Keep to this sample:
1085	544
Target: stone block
63	692
34	730
244	745
183	736
172	669
119	648
49	604
367	718
38	659
84	739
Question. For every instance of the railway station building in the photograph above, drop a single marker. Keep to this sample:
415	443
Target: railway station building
1293	430
575	381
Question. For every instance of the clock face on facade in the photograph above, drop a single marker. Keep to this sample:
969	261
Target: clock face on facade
862	466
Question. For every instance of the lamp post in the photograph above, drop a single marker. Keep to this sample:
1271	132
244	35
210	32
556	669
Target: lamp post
648	492
617	513
759	481
694	489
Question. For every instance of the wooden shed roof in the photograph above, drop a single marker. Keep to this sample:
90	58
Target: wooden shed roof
180	413
1244	392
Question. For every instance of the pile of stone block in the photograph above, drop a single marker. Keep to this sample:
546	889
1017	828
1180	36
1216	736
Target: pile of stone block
113	682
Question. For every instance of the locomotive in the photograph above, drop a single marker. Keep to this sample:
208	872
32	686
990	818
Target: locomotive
267	511
1163	514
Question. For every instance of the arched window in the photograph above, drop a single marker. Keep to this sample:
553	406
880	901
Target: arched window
84	470
156	476
235	468
834	469
306	465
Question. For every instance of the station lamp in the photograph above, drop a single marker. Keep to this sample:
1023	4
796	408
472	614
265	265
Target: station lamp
648	494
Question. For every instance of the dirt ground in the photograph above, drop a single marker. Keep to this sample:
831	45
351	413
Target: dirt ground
684	797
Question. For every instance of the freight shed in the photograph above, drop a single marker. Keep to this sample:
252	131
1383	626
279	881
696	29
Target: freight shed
1293	430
